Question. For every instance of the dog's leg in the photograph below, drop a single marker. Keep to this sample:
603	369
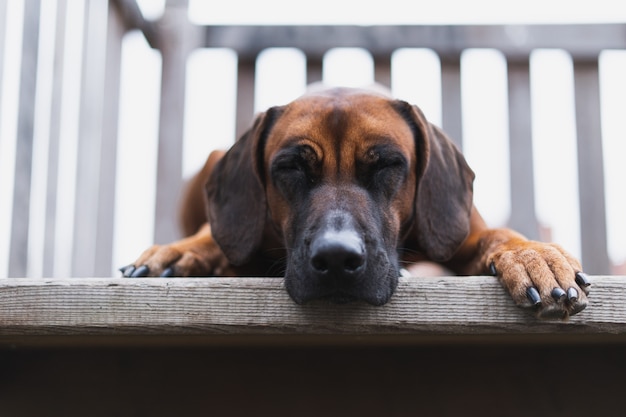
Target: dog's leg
196	255
539	276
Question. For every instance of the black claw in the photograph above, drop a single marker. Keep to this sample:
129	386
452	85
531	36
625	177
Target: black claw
168	272
558	294
582	279
572	294
128	271
142	271
492	269
533	296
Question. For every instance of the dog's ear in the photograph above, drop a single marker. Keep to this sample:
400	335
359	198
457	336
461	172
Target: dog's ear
444	194
236	204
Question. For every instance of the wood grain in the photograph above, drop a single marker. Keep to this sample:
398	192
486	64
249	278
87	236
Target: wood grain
260	306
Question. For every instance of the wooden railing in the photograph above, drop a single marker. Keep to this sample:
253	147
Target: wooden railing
219	309
175	37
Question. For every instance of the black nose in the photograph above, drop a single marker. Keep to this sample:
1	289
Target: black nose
338	254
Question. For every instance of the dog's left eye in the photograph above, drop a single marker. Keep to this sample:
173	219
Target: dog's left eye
383	172
376	161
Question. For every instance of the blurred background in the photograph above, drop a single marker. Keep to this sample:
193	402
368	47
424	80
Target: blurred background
104	103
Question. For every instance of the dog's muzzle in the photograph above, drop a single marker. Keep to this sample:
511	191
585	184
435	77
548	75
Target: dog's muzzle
337	262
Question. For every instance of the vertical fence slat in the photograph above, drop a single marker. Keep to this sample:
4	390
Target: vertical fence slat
90	141
53	145
3	29
590	168
245	95
24	146
314	70
382	70
523	217
176	40
108	169
452	121
3	25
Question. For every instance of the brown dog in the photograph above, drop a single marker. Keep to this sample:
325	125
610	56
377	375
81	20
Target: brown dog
338	188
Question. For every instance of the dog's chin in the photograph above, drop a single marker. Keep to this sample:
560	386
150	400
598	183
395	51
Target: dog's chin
375	293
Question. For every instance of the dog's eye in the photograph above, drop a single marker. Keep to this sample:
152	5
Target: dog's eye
372	156
377	161
292	170
382	171
392	162
286	165
303	159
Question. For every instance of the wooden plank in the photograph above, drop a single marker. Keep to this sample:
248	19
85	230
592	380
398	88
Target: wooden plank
314	70
108	150
246	71
451	114
382	70
54	139
132	18
595	257
90	141
3	25
523	217
18	256
178	39
448	41
260	306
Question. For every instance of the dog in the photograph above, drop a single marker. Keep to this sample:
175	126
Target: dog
338	189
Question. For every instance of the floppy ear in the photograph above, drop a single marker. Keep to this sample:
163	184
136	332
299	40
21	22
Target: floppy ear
236	206
443	199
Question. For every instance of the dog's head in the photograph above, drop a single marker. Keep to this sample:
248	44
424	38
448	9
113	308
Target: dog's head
343	180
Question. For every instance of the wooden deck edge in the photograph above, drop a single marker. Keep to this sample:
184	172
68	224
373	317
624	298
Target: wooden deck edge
247	309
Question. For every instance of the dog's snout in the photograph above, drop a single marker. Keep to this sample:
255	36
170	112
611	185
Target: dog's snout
338	254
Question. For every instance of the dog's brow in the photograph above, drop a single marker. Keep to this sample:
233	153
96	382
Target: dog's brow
381	140
384	148
296	140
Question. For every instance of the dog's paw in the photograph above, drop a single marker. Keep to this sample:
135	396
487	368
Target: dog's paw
176	260
541	277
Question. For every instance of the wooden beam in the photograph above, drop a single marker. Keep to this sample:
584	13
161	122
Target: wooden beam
177	307
593	224
451	103
132	18
108	159
54	142
3	25
314	70
20	222
582	41
91	143
178	39
246	71
523	217
382	70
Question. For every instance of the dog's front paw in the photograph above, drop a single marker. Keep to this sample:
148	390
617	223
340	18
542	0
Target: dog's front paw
178	260
541	277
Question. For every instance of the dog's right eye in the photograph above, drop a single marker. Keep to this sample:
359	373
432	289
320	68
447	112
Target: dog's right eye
292	170
288	165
